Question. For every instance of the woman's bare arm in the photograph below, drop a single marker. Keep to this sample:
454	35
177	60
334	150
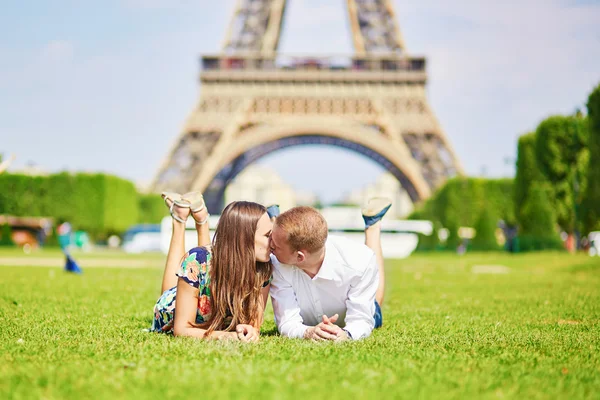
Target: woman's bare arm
265	297
185	315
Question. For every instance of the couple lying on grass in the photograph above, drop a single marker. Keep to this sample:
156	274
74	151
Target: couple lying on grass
322	287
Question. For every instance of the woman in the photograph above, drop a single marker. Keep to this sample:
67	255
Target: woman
222	289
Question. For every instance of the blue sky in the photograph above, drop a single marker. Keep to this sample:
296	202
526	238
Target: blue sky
106	85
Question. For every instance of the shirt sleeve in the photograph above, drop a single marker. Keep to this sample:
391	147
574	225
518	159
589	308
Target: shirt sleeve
361	302
193	267
285	306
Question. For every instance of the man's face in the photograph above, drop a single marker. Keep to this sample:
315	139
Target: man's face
281	248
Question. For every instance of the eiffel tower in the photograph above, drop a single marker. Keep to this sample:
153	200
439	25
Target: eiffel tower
255	101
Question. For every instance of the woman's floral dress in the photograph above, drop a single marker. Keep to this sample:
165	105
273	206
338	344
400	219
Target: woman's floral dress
194	271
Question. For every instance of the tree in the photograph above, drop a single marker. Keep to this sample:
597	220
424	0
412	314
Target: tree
561	154
485	231
538	226
527	174
538	217
591	201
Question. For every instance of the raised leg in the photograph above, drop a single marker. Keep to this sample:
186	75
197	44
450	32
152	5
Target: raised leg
202	227
200	216
372	214
373	241
176	246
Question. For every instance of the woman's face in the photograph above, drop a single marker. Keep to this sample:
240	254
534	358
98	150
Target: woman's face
261	239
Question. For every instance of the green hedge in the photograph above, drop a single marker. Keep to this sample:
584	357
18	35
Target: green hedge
461	201
485	232
97	203
152	209
537	215
536	243
6	236
431	242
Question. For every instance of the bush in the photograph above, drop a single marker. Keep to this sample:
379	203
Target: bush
538	216
461	201
453	240
152	209
429	243
485	232
538	227
536	243
6	238
97	203
528	173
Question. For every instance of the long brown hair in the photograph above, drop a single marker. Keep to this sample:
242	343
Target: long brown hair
236	278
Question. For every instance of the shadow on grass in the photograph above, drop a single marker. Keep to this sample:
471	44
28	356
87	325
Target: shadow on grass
269	331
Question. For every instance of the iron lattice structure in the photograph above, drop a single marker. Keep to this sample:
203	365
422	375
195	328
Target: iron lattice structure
255	101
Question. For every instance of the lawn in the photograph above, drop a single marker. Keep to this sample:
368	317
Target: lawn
472	326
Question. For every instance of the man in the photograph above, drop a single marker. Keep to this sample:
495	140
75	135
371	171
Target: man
326	287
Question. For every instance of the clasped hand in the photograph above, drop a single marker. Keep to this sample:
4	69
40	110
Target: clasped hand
326	330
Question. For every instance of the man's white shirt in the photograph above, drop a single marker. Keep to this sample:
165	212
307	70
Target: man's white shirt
346	285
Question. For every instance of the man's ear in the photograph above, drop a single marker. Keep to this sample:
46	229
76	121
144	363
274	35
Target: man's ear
300	257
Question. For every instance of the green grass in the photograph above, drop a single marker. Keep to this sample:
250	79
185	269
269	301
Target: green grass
448	333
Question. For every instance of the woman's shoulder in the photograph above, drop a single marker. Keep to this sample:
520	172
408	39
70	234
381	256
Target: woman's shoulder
195	266
201	254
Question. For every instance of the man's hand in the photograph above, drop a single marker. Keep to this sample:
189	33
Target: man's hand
328	326
326	330
247	333
316	334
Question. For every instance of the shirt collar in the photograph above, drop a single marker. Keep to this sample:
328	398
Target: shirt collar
331	269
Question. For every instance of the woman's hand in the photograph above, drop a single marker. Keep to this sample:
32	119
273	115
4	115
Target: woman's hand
247	333
227	336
